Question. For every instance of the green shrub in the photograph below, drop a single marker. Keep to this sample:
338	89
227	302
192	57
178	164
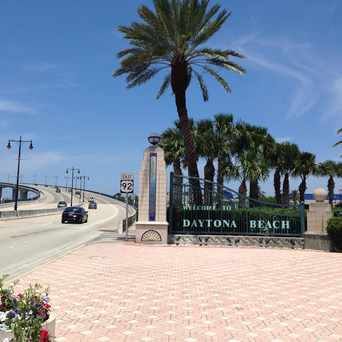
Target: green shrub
337	212
335	233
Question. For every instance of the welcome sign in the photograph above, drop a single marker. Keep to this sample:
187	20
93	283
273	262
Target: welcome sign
233	221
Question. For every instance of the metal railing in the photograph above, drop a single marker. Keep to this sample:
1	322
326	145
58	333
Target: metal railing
202	207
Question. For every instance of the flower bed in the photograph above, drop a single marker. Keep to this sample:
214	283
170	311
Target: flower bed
25	317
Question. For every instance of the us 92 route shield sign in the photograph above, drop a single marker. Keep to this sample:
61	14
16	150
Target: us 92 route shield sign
127	184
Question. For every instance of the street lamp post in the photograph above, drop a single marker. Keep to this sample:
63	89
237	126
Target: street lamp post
83	180
72	171
9	146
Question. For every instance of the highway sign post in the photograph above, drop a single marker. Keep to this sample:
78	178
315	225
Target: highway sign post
127	187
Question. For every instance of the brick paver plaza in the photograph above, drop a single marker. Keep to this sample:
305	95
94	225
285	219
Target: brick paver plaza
123	292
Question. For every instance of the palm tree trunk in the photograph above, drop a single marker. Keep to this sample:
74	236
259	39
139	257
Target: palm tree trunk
254	190
277	185
331	189
177	169
178	182
180	82
242	194
302	189
286	190
209	173
220	180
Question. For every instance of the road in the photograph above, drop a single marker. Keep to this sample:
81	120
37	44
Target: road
27	242
48	200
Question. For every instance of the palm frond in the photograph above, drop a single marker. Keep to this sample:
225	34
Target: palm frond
164	86
133	81
218	78
216	53
227	65
203	86
211	28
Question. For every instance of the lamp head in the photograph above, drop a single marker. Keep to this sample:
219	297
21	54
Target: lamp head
9	145
31	146
154	139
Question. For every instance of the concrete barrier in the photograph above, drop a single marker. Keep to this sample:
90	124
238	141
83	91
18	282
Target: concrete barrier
10	215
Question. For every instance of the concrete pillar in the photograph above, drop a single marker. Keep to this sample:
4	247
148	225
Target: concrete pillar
152	225
318	217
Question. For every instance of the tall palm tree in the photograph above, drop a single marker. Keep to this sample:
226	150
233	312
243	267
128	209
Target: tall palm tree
289	153
329	168
305	165
171	37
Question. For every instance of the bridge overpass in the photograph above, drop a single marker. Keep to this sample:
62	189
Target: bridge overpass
28	241
24	192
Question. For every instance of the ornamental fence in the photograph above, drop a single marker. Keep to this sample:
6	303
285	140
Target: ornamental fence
201	207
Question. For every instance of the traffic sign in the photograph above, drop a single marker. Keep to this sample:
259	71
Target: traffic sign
127	184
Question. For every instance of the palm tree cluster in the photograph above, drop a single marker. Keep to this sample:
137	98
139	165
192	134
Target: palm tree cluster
248	153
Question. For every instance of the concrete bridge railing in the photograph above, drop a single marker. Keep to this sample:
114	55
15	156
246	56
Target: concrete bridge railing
23	192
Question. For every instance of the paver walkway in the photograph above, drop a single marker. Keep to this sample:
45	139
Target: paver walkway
123	292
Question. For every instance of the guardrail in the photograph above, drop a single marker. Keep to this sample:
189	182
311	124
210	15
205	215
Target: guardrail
131	221
28	213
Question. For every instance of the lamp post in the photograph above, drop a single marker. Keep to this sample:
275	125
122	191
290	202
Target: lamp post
83	180
72	171
9	146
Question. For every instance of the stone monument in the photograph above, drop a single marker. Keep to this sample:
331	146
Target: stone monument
317	221
152	226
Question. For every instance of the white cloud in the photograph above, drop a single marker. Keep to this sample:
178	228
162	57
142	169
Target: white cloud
14	107
301	64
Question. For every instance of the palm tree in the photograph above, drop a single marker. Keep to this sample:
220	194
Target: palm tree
275	162
171	37
289	153
305	165
224	130
252	147
207	148
173	144
329	168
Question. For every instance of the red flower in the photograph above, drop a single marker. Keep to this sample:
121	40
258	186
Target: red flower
44	336
46	306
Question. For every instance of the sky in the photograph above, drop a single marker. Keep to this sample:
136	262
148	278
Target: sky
56	85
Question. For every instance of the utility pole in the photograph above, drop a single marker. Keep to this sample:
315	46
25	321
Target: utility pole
9	146
72	171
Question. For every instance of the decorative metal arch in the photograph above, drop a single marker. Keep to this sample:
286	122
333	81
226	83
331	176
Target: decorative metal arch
151	235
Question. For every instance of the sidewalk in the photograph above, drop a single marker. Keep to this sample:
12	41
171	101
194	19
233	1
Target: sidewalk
122	292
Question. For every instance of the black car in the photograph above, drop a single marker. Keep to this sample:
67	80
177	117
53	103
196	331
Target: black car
74	215
92	205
